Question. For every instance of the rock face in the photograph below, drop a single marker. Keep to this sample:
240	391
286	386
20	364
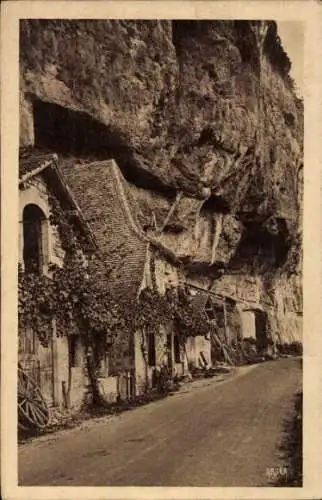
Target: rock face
202	119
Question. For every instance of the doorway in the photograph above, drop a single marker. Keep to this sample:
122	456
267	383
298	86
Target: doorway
254	325
261	331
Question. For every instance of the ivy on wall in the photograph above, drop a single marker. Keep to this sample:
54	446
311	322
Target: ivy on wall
77	296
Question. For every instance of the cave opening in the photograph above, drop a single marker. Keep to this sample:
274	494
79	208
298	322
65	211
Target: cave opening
261	250
76	134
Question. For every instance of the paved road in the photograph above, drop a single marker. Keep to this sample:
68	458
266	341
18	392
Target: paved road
224	434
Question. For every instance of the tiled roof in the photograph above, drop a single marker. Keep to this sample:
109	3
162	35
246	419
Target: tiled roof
34	161
101	193
108	209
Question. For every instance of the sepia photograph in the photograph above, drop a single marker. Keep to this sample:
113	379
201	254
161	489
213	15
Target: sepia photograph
160	262
160	252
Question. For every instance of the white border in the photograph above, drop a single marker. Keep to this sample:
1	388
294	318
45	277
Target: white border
308	11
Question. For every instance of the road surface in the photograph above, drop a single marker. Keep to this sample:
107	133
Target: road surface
223	434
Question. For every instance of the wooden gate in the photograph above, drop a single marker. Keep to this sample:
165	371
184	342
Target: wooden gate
37	361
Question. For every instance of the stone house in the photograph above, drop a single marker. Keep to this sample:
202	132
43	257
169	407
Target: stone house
160	274
58	368
135	261
107	215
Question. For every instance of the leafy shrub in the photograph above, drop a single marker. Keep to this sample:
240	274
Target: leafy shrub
294	348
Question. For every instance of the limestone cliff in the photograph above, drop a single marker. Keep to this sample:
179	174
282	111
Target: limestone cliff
205	125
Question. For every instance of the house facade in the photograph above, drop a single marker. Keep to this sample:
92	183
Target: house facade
107	215
161	274
135	263
58	366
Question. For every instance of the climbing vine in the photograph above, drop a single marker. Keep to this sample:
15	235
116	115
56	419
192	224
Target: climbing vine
153	310
36	302
188	321
77	296
69	293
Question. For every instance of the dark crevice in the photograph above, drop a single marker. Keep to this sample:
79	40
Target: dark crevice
246	43
176	40
289	119
196	268
261	250
217	204
185	30
261	329
176	36
76	134
173	228
208	136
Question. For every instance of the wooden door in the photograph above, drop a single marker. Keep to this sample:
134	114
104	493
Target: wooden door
261	334
37	361
46	374
27	353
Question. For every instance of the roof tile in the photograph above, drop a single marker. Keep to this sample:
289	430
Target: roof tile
32	159
101	193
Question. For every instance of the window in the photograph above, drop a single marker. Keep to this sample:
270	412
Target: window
73	351
177	357
151	349
33	226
